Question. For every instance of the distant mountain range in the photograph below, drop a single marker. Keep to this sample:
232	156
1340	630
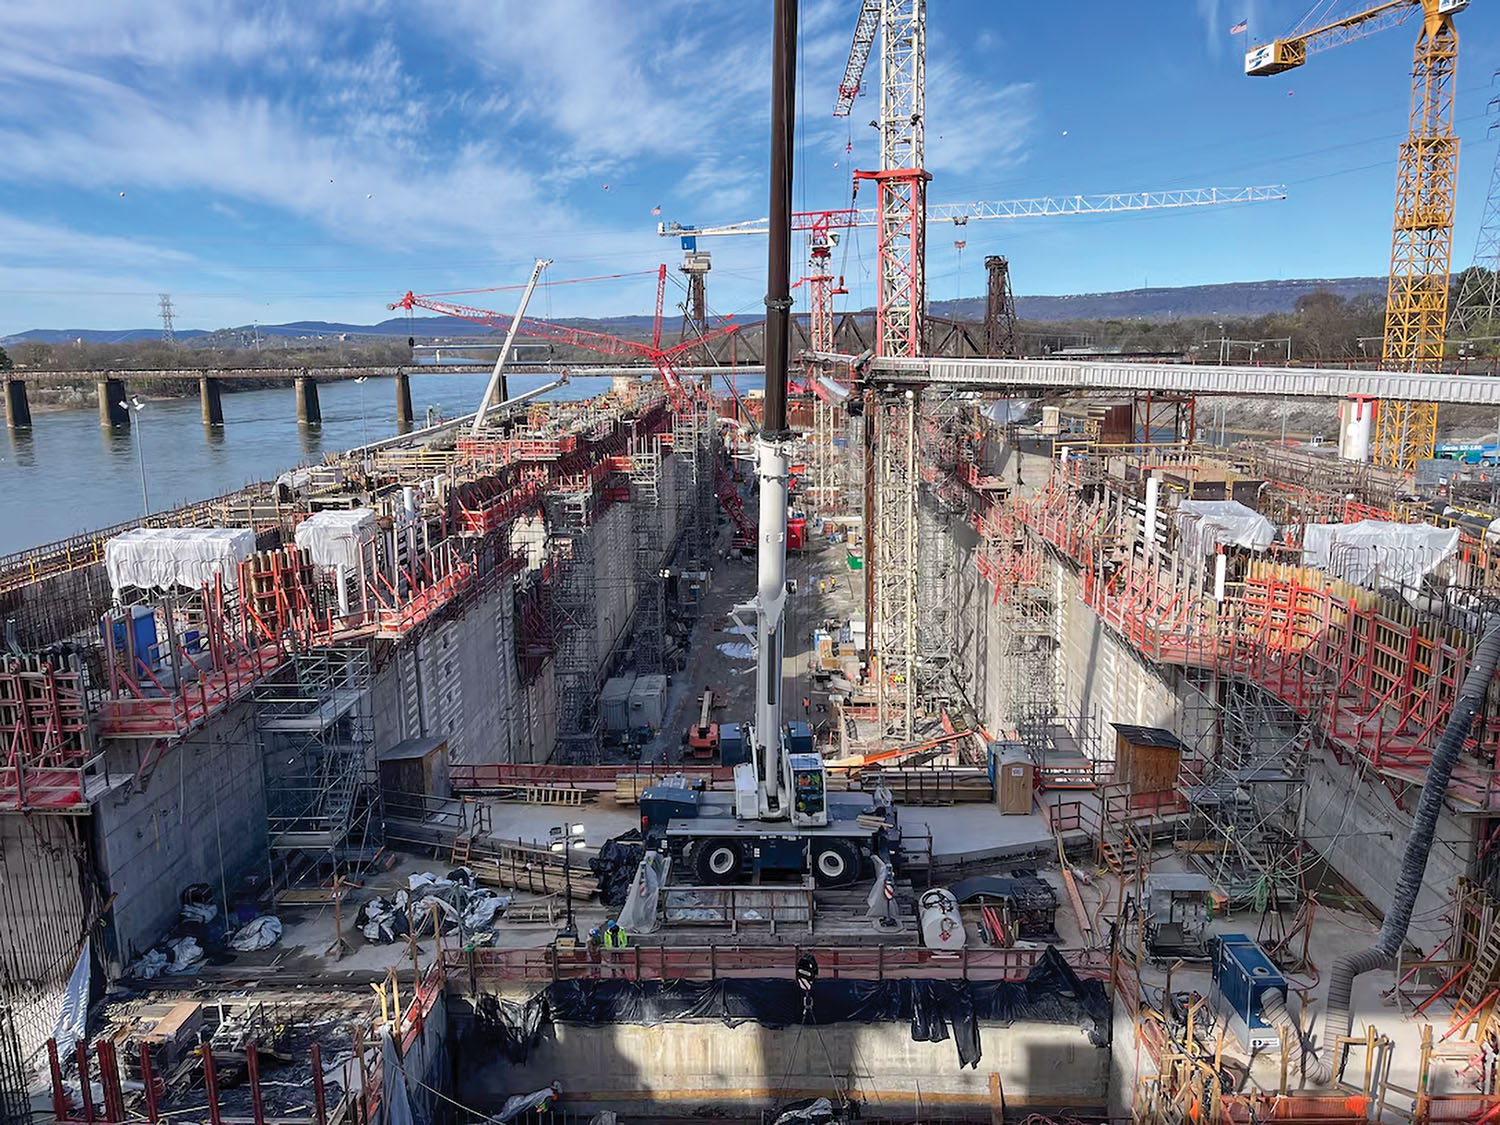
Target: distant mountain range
1240	298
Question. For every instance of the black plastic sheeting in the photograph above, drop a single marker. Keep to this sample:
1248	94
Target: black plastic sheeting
615	866
936	1009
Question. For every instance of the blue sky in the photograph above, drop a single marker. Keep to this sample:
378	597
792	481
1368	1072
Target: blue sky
282	161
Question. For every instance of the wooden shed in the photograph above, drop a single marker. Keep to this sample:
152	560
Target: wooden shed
418	765
1148	759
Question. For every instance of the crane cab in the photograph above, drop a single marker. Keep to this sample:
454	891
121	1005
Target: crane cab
809	790
1275	57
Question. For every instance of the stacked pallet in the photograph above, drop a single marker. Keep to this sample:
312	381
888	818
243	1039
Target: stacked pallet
932	785
530	867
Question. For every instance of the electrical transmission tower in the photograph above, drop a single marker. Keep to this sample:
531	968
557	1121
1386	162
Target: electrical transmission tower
168	336
1479	298
1000	312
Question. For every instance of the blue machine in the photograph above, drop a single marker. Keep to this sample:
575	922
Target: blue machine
732	746
799	738
1242	975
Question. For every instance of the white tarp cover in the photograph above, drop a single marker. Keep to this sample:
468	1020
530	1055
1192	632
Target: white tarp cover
640	913
1377	551
1006	410
159	557
334	538
1203	524
72	1022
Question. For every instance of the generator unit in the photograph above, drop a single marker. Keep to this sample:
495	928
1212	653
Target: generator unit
1243	974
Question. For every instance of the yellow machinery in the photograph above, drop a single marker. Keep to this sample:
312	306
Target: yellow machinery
1416	309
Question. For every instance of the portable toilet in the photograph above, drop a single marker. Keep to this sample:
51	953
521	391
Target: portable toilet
1013	775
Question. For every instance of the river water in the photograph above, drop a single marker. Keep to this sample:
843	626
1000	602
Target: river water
69	474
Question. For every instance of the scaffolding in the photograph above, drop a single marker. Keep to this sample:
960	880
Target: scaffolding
1246	799
897	567
646	509
693	440
575	666
48	744
314	722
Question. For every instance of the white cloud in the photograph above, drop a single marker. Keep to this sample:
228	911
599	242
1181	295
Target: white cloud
461	128
27	243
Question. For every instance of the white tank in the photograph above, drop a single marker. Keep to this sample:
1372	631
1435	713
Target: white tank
942	928
1356	421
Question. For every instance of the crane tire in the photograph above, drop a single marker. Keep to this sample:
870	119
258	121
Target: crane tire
718	860
835	863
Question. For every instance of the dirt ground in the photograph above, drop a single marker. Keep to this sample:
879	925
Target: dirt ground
722	658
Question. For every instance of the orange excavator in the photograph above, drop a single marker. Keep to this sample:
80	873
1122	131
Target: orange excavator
703	736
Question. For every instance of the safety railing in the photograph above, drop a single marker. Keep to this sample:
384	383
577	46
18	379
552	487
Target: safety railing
715	962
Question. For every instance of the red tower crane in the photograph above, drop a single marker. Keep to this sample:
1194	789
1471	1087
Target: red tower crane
662	359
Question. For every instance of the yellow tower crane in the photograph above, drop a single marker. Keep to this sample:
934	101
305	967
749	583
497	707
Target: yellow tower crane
1416	308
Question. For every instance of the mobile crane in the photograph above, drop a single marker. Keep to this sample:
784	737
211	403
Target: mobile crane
781	816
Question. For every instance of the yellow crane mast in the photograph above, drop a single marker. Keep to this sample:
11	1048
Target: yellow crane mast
1416	308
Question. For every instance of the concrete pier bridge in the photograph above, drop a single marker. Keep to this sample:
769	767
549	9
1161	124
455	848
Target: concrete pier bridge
112	386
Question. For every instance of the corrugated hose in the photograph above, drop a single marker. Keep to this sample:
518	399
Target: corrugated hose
1418	843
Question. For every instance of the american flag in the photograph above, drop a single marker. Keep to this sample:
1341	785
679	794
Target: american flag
656	210
1240	28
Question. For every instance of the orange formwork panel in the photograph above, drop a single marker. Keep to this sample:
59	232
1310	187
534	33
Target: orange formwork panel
45	728
1377	676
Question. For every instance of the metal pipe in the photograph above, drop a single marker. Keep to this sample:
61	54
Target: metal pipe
320	1095
59	1095
1418	843
148	1083
211	1083
779	257
252	1069
81	1052
773	444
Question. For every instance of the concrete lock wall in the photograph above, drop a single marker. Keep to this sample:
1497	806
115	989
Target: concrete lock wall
1353	821
457	680
677	1069
1100	674
613	541
1098	677
201	815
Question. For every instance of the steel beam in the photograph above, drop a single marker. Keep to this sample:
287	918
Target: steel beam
1024	376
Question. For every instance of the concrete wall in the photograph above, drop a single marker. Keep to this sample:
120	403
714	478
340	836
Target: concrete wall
613	541
1354	823
200	819
534	723
1102	676
1099	678
979	642
702	1067
459	680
